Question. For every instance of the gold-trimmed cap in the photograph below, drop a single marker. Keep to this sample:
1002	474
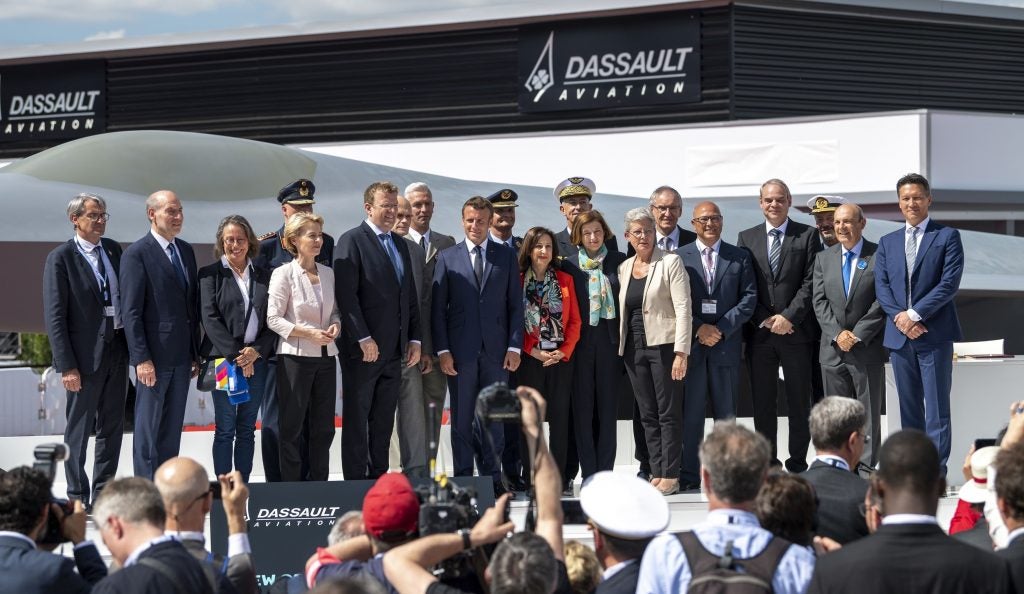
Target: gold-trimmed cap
575	186
825	203
504	198
298	192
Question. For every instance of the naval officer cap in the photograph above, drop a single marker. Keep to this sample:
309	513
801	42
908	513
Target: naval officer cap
298	192
624	506
575	186
504	198
824	203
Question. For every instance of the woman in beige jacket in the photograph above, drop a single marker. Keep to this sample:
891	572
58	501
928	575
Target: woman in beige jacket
303	312
654	325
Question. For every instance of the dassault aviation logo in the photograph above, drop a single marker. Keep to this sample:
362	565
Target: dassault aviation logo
543	76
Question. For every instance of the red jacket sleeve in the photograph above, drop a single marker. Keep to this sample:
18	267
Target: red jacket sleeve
570	313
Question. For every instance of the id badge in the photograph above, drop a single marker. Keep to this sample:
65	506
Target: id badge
108	311
547	345
709	306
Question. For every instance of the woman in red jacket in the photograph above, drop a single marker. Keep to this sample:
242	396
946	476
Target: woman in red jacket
552	320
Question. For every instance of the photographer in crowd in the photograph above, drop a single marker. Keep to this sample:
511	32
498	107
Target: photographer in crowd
25	510
528	562
188	497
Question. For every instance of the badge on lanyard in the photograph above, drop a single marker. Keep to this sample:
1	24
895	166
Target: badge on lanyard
709	306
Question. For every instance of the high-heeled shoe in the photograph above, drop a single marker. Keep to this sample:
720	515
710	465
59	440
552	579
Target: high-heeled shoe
668	486
655	481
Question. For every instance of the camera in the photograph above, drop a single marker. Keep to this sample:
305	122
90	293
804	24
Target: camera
498	402
446	508
46	457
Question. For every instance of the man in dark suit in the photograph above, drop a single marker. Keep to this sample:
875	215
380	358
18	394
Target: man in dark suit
574	196
477	323
82	309
921	321
24	510
838	434
130	516
781	330
185	488
722	297
624	514
297	196
851	352
1009	467
380	313
910	552
435	383
160	302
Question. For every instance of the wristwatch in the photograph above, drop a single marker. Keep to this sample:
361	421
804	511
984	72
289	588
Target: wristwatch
466	544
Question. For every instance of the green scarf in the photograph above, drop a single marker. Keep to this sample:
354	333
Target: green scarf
602	302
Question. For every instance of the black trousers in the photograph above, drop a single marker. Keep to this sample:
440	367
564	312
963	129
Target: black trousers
99	403
305	385
764	356
597	369
269	432
553	383
660	399
368	408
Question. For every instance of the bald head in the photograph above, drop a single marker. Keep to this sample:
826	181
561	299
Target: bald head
180	481
165	213
707	222
404	218
849	223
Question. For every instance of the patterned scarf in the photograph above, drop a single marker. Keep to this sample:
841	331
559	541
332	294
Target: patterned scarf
542	301
602	302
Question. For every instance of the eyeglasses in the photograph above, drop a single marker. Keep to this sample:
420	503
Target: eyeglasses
664	209
641	233
97	217
716	219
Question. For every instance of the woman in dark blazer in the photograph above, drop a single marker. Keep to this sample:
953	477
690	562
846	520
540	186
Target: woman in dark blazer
233	298
597	370
552	329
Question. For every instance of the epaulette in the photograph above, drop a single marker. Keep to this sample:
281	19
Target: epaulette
270	235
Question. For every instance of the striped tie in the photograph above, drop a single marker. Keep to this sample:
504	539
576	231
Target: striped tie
911	250
775	252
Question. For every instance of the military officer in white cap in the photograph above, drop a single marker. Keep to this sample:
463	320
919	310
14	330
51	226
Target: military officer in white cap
574	195
625	513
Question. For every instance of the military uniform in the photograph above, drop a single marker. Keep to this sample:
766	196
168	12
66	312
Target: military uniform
273	254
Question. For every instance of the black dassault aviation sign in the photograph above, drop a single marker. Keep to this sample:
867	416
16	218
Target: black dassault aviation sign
610	64
52	101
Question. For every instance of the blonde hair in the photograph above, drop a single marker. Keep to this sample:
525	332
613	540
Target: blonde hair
582	566
295	224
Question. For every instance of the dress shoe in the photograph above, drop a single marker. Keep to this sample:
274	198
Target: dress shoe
568	491
644	475
668	486
499	488
517	484
689	488
796	466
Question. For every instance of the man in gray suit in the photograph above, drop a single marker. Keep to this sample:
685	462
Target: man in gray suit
851	352
435	384
411	421
185	489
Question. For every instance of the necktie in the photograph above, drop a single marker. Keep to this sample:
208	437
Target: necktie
396	262
666	244
423	242
709	268
911	250
847	270
178	267
478	266
775	252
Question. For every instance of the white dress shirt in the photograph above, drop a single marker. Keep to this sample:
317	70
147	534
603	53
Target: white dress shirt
92	255
768	230
920	235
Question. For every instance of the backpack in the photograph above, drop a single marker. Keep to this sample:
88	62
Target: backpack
711	574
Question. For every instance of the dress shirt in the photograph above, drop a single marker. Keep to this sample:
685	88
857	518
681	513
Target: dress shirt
507	242
1014	534
614	569
782	229
238	544
253	326
394	239
91	254
163	246
909	519
664	569
833	461
714	258
134	557
857	249
674	236
920	235
417	236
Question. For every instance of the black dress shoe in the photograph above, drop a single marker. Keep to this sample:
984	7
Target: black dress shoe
689	488
568	492
499	488
516	484
644	475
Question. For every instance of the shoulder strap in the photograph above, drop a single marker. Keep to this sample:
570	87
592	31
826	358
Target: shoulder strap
699	559
763	564
166	571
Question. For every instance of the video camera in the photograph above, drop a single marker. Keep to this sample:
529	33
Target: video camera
46	457
499	403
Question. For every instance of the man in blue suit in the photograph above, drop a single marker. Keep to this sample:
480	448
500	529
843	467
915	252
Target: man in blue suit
477	329
921	321
82	309
380	315
24	509
160	301
723	293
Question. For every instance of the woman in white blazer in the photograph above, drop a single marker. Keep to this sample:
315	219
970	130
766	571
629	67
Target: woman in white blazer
654	325
303	312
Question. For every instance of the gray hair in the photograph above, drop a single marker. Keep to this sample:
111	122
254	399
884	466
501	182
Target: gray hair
418	187
736	460
666	190
156	199
134	500
834	419
77	204
639	215
349	525
523	564
776	182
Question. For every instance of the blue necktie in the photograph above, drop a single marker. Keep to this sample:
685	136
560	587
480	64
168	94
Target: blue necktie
847	271
385	238
178	267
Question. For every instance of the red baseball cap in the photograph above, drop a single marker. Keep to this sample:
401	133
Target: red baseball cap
391	508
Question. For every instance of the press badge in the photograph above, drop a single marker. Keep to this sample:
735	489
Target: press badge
108	311
709	306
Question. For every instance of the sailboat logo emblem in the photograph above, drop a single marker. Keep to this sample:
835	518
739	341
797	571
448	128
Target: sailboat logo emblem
542	77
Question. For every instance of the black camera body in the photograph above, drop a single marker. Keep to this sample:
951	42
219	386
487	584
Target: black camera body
498	402
46	457
446	508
